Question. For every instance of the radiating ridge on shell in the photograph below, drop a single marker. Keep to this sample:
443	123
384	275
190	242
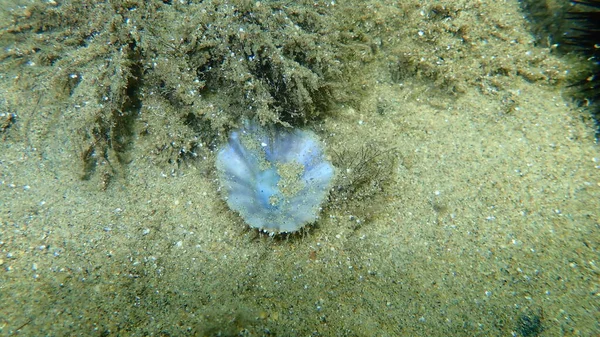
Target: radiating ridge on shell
275	178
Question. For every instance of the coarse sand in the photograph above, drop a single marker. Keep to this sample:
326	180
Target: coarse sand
488	226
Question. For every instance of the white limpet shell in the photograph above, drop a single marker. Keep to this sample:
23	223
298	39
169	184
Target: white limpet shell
275	178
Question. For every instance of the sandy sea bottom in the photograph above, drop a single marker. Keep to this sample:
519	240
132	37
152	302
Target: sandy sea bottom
488	227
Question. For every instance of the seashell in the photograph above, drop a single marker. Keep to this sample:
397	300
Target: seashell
275	178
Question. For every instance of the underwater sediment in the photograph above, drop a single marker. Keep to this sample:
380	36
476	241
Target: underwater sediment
464	201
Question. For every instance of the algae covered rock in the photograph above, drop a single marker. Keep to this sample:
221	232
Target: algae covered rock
174	77
282	62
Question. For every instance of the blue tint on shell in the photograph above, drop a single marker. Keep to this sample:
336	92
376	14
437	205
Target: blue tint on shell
275	178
